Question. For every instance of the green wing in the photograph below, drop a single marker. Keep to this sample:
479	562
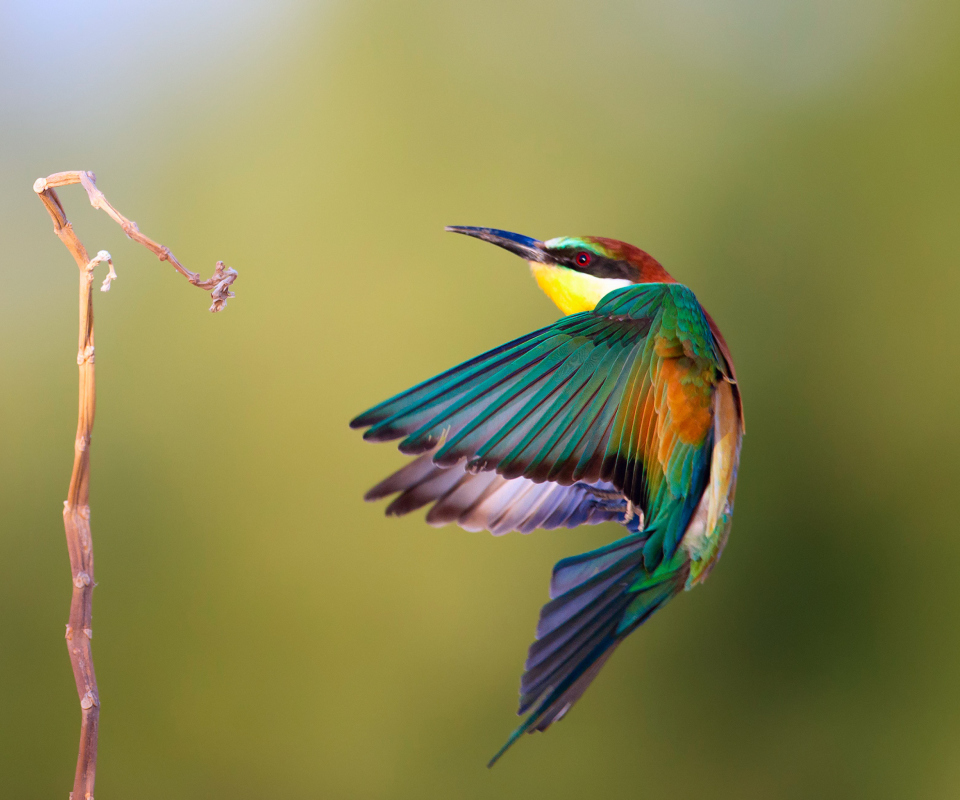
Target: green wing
620	394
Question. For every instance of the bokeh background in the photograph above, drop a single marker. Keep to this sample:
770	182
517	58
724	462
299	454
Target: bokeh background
260	631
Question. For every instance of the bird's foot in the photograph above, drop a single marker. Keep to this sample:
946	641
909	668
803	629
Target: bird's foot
599	493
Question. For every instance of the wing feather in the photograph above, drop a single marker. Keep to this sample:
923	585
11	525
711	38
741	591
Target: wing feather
488	501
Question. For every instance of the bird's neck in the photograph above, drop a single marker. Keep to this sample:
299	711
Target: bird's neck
573	291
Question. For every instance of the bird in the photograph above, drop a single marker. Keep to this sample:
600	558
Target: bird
626	409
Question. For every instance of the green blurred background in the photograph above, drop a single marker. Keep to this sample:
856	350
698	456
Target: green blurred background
260	631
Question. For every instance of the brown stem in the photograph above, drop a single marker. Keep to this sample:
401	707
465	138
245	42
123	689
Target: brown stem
76	508
217	284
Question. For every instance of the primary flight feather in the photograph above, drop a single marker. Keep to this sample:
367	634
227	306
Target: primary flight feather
626	409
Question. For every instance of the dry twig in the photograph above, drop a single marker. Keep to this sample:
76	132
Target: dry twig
76	508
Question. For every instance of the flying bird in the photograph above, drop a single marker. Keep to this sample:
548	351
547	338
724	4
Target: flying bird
626	409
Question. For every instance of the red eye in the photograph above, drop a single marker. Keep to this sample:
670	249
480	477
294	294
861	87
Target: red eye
583	258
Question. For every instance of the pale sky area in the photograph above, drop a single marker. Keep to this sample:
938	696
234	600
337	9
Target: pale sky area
121	52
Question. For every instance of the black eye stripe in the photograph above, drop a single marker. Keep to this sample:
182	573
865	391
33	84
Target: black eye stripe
598	266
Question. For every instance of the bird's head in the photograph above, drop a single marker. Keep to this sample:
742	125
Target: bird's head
576	272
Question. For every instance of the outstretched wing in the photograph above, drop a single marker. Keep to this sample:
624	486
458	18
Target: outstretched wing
620	395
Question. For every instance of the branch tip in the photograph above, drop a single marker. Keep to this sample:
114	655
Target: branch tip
218	284
224	277
99	258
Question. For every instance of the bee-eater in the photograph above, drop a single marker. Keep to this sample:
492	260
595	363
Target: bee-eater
626	409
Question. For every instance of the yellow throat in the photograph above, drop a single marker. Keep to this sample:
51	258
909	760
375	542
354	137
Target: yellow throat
573	291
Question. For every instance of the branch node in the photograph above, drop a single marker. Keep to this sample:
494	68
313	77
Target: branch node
88	632
69	634
89	700
81	580
40	185
85	355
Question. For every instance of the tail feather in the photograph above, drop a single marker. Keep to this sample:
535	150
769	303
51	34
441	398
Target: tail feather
568	659
577	570
559	701
560	611
576	689
562	633
577	639
600	597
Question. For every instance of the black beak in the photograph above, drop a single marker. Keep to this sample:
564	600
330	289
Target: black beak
523	246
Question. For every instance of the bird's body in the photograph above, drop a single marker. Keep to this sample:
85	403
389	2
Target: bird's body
626	409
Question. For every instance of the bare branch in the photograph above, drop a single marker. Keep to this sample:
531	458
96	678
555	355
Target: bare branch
76	508
217	284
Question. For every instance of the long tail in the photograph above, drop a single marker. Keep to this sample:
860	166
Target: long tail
600	597
559	701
